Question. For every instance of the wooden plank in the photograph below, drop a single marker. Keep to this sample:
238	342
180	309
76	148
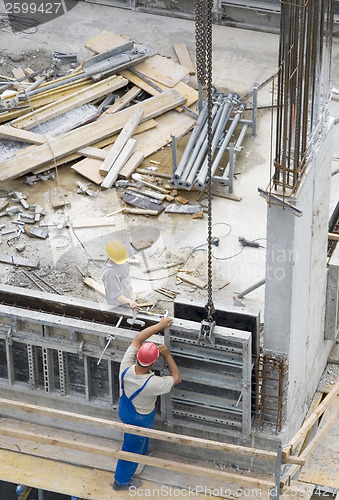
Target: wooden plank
18	73
92	222
143	459
85	135
162	70
121	141
22	135
192	280
148	142
123	157
184	57
68	103
18	261
181	87
135	160
123	101
142	431
106	41
312	419
98	287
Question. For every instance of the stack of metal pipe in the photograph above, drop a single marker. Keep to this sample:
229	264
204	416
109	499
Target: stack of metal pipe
193	167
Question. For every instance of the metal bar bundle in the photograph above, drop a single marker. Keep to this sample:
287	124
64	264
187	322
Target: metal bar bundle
303	88
192	169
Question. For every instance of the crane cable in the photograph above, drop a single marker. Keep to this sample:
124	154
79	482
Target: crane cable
203	37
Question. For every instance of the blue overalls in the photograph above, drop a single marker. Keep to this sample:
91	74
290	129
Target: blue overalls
132	443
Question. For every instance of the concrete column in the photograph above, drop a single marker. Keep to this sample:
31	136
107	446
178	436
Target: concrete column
296	277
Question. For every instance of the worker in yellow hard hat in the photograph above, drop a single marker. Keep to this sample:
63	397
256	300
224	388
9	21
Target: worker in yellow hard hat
115	276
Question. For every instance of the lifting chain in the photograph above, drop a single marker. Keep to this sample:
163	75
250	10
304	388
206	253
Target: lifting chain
203	33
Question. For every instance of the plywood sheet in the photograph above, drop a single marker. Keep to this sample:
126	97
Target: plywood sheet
162	70
106	41
184	57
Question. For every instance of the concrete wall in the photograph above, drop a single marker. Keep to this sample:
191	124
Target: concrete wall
296	277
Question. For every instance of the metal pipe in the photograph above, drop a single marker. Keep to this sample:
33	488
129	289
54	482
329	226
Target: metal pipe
192	140
226	112
202	152
200	182
231	167
251	288
254	110
237	146
174	153
196	150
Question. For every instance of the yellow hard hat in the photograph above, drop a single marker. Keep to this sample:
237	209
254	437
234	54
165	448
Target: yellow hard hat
117	252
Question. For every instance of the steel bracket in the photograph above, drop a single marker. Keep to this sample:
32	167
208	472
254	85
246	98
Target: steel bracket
207	331
9	336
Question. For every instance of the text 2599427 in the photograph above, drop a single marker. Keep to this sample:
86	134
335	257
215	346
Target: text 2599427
39	7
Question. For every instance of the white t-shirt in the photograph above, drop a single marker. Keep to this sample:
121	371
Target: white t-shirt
117	281
144	402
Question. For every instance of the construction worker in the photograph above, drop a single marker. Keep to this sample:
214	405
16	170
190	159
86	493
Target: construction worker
138	394
115	276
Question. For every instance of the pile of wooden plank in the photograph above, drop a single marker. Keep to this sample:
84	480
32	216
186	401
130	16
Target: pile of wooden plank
117	108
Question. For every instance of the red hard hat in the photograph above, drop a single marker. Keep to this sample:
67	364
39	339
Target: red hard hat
147	354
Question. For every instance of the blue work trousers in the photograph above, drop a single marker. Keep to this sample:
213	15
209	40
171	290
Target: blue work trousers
132	443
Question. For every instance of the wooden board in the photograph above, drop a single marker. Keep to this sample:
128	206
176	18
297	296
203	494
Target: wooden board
322	465
22	135
98	287
68	103
86	135
123	157
129	167
148	142
123	101
192	280
181	87
92	222
121	141
106	41
18	261
184	57
162	70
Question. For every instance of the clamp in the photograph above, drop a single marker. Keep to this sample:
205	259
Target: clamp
207	331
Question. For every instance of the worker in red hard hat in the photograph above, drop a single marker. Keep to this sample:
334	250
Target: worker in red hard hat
115	276
138	394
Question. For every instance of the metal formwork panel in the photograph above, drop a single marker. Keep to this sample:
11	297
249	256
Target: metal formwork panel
215	391
57	358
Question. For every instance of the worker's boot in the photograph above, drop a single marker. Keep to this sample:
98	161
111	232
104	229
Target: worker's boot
135	482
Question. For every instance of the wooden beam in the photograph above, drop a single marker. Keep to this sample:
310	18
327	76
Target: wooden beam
92	222
142	431
68	103
85	135
135	160
184	57
311	420
315	441
191	280
123	157
123	101
98	287
143	459
121	141
22	135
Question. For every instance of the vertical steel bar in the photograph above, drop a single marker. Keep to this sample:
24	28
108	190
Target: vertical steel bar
255	109
174	153
231	167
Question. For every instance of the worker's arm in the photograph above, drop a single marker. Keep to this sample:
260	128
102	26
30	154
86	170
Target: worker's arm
140	338
172	366
129	302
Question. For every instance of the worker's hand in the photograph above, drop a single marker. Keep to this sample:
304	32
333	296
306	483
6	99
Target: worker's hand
165	322
163	350
134	305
